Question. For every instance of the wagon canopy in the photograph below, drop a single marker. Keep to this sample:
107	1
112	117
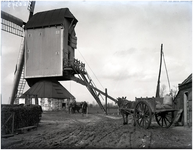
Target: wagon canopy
48	89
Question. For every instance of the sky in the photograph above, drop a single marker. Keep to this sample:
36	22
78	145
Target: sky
119	42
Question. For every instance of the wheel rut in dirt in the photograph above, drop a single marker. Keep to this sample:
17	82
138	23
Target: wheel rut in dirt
96	131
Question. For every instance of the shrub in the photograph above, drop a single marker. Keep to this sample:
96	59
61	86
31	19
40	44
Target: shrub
24	116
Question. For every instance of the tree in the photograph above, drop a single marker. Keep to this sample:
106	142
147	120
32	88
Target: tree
174	92
162	90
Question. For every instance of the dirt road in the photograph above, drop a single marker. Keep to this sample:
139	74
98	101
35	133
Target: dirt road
59	130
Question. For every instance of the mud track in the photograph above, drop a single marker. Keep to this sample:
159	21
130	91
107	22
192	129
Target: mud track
59	130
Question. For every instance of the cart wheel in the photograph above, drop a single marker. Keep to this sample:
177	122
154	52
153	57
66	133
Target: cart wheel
165	119
143	114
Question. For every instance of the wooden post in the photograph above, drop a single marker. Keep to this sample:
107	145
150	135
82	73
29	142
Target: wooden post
158	81
30	100
106	100
36	100
185	108
13	119
26	99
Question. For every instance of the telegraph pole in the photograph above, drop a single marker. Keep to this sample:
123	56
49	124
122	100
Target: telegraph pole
158	81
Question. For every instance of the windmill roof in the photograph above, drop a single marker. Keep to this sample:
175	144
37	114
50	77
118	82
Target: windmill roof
49	18
48	89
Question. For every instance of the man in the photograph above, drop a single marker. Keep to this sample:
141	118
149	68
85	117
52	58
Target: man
84	108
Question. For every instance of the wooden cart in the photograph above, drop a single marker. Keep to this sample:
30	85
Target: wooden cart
145	108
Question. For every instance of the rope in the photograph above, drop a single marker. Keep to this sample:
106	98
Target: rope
80	76
166	71
91	70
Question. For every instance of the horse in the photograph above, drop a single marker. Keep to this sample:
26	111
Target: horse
125	108
77	107
73	107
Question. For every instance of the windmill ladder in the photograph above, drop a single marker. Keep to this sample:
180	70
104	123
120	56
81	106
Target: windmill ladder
22	80
21	87
86	80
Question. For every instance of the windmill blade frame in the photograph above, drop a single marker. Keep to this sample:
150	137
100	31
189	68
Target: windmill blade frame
12	24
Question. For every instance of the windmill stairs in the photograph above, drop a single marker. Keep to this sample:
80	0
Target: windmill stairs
84	79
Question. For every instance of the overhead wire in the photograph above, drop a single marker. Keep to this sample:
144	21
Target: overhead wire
80	77
91	70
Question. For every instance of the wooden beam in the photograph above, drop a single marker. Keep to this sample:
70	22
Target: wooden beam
158	80
85	84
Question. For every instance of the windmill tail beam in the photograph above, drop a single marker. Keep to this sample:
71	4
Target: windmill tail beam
83	83
12	19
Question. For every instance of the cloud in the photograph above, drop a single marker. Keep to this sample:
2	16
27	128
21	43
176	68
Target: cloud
132	64
120	43
9	79
10	43
124	53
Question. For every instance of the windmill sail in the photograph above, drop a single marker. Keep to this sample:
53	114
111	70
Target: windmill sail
11	24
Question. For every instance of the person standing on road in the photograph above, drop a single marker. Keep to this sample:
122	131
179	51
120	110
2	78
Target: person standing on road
84	108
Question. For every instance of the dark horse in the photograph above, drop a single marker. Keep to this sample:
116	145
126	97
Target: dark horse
73	107
126	108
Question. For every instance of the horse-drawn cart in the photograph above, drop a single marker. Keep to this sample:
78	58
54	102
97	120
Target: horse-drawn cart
161	108
144	109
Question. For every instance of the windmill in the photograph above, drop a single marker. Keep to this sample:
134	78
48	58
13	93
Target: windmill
48	51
